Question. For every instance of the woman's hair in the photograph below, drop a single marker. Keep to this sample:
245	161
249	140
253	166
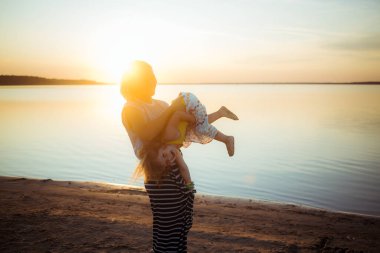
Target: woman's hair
149	166
135	78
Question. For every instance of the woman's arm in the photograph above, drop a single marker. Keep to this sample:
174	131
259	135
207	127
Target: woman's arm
185	116
147	131
171	130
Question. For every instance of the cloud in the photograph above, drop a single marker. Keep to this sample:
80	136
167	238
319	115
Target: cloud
363	43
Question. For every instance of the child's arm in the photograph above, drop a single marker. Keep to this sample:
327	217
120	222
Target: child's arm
184	170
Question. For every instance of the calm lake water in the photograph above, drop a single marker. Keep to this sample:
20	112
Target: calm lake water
316	145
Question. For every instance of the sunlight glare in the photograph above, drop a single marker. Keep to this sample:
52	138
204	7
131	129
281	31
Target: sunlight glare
120	41
109	103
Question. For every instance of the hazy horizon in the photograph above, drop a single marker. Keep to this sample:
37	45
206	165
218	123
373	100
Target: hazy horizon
193	42
170	83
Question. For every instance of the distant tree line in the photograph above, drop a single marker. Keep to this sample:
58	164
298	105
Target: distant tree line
35	80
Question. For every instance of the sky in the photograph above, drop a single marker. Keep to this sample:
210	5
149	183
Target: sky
197	41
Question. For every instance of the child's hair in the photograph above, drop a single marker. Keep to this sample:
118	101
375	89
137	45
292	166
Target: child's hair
149	167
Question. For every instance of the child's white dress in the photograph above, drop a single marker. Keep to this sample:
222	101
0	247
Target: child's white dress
203	132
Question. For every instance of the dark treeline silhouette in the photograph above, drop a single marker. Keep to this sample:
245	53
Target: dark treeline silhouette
365	82
35	80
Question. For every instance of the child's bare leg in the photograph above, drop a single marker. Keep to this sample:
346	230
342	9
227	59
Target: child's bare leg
227	113
222	112
228	140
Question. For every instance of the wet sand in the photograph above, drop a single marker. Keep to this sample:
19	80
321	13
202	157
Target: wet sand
63	216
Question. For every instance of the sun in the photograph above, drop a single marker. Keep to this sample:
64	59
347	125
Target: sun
113	57
120	41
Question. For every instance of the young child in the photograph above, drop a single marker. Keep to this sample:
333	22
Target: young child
158	159
178	132
190	125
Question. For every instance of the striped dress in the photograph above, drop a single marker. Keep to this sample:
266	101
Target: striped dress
172	208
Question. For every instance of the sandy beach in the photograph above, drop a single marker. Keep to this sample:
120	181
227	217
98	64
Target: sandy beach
65	216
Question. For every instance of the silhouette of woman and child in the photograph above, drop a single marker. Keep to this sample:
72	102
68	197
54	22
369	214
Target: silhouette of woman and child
157	132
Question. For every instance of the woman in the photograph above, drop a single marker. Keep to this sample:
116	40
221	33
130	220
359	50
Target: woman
144	119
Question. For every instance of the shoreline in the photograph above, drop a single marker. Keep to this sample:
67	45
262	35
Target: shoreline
281	203
44	215
208	195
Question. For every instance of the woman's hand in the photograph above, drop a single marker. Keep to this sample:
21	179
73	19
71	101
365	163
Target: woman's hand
174	152
185	116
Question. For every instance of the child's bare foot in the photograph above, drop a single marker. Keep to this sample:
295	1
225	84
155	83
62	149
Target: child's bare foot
230	144
227	113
